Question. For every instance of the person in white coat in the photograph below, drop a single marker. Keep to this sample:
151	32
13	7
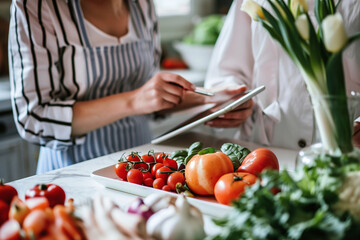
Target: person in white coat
282	115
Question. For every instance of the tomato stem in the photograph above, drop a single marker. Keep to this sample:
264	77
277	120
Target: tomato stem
42	186
238	178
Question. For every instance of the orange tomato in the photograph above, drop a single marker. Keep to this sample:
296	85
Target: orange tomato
37	203
258	160
203	171
35	222
18	210
232	185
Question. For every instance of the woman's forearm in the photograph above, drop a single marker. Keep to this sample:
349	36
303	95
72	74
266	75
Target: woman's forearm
93	114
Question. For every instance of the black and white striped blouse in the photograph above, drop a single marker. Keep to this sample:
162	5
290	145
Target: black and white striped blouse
55	61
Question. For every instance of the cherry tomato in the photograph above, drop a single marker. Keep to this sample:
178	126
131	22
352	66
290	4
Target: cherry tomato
147	175
155	168
158	183
161	173
121	169
10	230
133	157
54	193
148	182
161	156
258	160
135	176
171	163
7	192
231	186
148	158
4	212
166	188
142	166
174	178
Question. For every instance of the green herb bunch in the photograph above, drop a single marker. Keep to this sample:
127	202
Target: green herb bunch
316	50
294	205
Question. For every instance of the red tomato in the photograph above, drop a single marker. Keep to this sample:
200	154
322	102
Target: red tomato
54	193
155	168
258	160
231	186
148	158
173	63
133	157
10	230
147	175
121	169
4	212
142	166
163	173
166	188
158	183
171	163
7	192
161	156
203	171
174	178
148	182
135	176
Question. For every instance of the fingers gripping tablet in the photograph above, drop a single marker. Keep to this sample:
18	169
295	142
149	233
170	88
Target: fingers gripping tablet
227	108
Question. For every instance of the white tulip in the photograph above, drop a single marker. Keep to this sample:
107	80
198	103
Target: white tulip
302	25
253	9
335	37
298	5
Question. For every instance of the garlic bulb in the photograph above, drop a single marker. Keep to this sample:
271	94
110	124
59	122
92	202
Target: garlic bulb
157	201
349	195
180	221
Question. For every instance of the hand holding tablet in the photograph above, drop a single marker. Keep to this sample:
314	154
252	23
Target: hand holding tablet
224	109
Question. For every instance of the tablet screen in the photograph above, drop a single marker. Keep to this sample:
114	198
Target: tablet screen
206	116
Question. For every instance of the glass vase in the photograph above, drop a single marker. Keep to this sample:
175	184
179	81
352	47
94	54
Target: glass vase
325	128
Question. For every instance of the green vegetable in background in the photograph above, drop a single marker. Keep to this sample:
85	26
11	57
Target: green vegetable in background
206	32
235	152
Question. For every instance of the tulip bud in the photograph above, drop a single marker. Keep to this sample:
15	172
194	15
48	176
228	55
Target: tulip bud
253	9
302	25
298	5
335	37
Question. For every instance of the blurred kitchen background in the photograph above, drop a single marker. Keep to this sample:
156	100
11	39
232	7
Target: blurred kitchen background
188	29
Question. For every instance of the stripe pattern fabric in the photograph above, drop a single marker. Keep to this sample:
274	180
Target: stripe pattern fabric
53	64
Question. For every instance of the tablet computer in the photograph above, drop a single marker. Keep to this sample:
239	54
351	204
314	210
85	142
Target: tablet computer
198	121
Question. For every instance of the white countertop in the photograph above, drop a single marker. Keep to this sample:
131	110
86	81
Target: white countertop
78	184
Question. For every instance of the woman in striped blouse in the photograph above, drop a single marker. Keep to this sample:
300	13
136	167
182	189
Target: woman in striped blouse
83	76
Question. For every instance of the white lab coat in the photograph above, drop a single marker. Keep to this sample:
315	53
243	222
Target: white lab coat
246	54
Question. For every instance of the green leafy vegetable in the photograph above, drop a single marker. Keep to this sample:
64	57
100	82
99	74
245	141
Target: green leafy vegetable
206	32
302	209
235	152
207	150
184	155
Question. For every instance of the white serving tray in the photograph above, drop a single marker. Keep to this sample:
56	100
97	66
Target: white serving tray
206	204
